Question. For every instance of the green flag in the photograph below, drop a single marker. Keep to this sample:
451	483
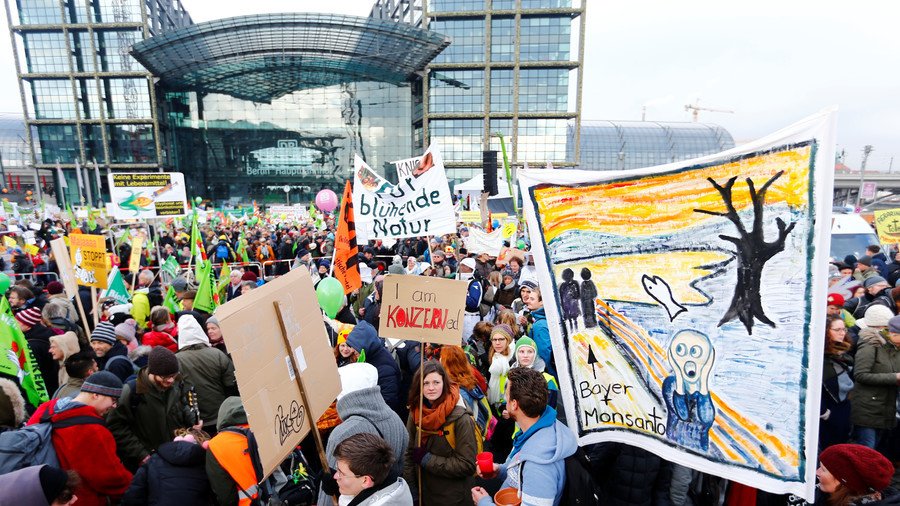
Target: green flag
242	248
170	266
116	287
16	359
71	214
195	235
171	301
224	279
205	299
91	223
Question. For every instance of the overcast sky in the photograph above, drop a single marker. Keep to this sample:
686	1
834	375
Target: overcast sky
770	61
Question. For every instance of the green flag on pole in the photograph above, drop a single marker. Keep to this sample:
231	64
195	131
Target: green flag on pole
224	279
195	236
170	266
171	301
205	299
116	287
16	359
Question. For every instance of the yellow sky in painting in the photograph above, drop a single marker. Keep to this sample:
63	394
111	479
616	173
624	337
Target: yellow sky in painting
666	203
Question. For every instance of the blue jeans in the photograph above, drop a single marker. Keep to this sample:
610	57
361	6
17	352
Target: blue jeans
867	436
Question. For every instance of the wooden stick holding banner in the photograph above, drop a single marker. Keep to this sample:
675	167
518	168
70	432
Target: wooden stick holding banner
320	446
94	308
64	264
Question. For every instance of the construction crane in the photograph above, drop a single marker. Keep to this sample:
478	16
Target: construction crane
695	109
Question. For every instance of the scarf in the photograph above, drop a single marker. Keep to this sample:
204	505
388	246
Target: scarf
547	419
435	416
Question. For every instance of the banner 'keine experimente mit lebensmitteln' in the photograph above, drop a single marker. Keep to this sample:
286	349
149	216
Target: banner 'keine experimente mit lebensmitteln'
686	303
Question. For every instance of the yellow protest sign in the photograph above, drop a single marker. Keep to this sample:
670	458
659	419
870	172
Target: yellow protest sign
32	249
9	242
509	229
134	261
470	216
887	223
89	259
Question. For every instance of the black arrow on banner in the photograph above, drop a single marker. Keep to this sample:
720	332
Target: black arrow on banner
592	359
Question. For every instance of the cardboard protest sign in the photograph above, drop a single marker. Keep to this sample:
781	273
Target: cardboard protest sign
507	254
265	374
64	264
423	308
88	256
144	195
686	303
887	223
418	205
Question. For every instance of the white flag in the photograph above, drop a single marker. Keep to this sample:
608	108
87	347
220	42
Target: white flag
80	182
62	179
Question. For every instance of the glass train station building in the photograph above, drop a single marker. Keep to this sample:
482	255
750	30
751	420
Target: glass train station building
247	106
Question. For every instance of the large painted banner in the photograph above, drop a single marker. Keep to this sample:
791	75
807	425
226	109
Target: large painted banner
418	205
686	303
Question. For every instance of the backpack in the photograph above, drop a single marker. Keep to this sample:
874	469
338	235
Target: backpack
32	445
580	488
222	253
449	432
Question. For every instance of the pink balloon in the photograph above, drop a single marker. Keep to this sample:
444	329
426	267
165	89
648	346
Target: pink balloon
326	200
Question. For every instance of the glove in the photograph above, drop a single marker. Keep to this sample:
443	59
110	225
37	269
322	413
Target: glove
418	454
329	484
826	415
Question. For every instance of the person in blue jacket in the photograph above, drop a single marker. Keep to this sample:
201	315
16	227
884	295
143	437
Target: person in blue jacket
539	450
364	337
539	331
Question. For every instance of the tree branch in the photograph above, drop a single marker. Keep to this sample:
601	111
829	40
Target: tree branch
711	213
734	240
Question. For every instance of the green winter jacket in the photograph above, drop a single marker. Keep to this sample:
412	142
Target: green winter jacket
873	401
212	374
147	417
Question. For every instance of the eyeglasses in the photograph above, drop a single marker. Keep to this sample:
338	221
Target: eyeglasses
340	474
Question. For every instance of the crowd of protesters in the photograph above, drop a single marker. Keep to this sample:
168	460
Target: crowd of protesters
145	408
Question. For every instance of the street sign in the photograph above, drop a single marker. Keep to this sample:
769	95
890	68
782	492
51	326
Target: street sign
869	189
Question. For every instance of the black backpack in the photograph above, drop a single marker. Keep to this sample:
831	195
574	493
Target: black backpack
580	489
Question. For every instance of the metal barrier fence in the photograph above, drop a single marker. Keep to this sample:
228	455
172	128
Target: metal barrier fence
42	277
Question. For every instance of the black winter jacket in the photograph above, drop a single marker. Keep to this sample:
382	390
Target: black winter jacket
175	474
630	473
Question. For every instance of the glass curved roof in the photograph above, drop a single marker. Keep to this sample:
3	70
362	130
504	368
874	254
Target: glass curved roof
610	145
263	57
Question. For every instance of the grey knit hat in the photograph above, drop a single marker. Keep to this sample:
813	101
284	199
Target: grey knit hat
103	383
104	332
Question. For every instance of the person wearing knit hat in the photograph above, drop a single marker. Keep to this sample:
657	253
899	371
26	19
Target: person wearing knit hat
153	405
88	448
105	345
526	356
363	410
54	288
125	333
855	474
877	316
41	485
214	332
28	318
249	276
873	410
162	363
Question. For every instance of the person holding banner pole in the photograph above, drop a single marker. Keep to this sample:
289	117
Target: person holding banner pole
446	442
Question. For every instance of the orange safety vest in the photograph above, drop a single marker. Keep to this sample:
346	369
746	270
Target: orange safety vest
231	452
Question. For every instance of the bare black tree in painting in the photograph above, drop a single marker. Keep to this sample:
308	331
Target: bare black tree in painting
752	251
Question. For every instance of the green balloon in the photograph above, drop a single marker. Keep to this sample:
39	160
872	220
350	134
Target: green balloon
520	244
330	293
4	282
198	200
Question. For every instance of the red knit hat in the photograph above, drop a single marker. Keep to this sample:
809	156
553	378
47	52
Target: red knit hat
861	469
249	276
29	317
835	299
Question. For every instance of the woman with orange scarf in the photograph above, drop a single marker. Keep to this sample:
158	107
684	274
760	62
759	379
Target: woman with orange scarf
446	455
